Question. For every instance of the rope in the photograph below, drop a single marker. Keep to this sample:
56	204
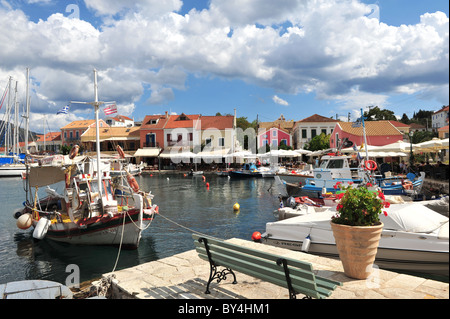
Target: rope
187	228
121	240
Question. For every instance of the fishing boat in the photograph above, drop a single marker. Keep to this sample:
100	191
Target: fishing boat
414	237
120	168
335	168
93	208
248	170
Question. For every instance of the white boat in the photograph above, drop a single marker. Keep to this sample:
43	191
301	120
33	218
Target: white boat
12	170
93	207
295	176
34	289
414	237
11	164
117	168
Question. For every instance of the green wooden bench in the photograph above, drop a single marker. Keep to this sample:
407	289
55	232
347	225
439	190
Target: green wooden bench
297	276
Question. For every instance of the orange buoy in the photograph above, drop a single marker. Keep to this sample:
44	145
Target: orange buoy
204	178
132	181
256	236
207	185
120	151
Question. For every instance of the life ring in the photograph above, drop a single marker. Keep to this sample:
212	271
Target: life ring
407	185
74	151
370	165
132	181
120	151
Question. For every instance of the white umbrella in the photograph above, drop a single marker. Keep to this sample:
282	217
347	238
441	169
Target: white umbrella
399	146
433	145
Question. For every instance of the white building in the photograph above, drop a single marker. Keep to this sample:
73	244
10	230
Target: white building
306	129
439	118
119	121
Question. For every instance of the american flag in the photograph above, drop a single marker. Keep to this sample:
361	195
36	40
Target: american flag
110	109
64	110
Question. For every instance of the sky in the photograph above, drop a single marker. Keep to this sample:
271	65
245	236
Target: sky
263	58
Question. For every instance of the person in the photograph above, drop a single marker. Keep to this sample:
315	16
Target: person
403	167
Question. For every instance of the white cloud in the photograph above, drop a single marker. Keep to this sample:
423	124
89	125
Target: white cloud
279	100
327	47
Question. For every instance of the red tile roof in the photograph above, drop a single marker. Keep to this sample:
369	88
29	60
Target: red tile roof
217	122
182	121
373	128
318	118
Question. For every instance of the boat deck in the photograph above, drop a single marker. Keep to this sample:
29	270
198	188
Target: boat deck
184	276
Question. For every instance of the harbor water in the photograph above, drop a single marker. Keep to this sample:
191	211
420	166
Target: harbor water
182	200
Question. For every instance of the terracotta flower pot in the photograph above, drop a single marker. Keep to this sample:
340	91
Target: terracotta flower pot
357	247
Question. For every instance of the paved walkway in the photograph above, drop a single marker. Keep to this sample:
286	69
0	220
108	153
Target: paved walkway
184	276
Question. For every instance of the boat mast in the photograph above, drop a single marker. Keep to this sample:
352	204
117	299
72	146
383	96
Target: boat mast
27	116
97	130
364	134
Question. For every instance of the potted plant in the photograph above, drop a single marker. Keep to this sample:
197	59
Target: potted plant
357	228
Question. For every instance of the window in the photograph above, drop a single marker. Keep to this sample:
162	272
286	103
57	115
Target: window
76	134
303	133
274	133
169	138
191	137
313	132
70	134
274	143
336	164
221	141
324	131
208	142
284	142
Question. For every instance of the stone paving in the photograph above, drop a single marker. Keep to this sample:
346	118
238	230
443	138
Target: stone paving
184	276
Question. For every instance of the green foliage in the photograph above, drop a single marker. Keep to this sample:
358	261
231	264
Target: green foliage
319	142
359	206
376	114
65	149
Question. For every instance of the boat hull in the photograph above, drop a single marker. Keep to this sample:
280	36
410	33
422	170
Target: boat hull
386	258
103	230
12	171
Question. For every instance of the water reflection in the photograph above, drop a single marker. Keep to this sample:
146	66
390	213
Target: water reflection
184	200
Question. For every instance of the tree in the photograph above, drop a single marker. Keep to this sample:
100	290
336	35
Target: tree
319	142
405	119
376	114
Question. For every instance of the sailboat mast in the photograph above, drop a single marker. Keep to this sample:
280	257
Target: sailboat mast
97	133
27	117
364	133
16	123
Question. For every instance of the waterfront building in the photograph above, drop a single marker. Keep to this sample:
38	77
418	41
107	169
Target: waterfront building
440	118
127	137
71	133
378	133
304	130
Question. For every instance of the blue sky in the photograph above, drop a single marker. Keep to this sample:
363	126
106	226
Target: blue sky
261	57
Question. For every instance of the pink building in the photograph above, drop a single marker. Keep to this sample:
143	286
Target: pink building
378	133
274	136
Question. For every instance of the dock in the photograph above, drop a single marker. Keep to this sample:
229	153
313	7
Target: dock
184	276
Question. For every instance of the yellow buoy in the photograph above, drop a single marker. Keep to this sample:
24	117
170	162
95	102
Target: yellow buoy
24	221
236	206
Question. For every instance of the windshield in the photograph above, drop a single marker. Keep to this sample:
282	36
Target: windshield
338	163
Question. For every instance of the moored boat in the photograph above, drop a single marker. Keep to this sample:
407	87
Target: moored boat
414	237
93	208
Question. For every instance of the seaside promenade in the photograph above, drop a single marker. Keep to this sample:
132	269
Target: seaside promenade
184	276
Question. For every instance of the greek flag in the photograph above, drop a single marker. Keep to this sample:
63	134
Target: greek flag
64	110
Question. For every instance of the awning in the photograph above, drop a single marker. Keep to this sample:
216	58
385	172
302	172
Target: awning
147	152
